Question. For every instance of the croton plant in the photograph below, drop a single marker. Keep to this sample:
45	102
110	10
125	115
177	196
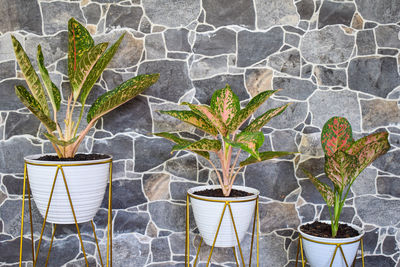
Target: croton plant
221	121
345	159
86	63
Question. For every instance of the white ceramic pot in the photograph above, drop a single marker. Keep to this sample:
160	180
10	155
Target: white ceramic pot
86	184
321	254
207	213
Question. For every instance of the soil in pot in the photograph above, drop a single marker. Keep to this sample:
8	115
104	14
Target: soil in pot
77	157
321	229
218	193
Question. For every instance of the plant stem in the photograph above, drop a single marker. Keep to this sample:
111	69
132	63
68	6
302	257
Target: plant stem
218	175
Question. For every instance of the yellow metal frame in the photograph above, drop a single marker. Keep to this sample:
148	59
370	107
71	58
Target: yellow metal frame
338	247
256	225
26	187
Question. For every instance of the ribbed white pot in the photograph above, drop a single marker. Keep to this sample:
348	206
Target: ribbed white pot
321	254
207	212
86	185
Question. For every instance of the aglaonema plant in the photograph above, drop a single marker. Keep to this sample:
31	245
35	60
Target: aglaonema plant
345	159
86	63
221	121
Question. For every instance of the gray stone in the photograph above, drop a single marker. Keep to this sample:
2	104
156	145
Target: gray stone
19	124
7	69
394	140
388	185
388	36
119	146
309	193
307	213
175	221
371	240
113	79
8	99
249	49
292	39
275	215
10	251
166	123
345	105
64	11
258	80
204	28
174	79
335	13
331	45
388	51
225	12
306	71
369	209
20	15
92	13
205	88
149	147
13	184
330	77
160	249
145	25
365	42
388	161
305	8
284	140
265	176
179	189
222	41
172	14
7	50
154	44
156	186
276	12
177	40
208	67
177	55
62	251
286	62
376	260
184	167
314	165
12	153
365	182
389	245
131	222
377	113
123	16
384	11
125	194
293	88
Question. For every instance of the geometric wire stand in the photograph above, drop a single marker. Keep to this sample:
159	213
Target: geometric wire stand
256	225
337	248
109	221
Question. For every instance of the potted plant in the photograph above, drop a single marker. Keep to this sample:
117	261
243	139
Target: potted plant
86	183
221	122
345	159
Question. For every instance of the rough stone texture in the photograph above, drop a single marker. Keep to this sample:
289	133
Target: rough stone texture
175	221
330	77
155	46
128	189
258	80
184	167
377	113
331	45
388	36
149	147
370	210
208	67
222	41
294	88
131	222
305	8
276	12
335	13
365	182
286	62
385	11
177	40
20	14
119	146
387	162
122	16
388	185
366	42
17	124
156	186
277	216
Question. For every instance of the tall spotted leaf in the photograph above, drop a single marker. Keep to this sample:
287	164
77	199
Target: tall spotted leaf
85	66
249	142
251	107
79	40
340	168
201	145
266	155
31	77
225	104
51	89
192	118
325	191
263	119
336	135
123	93
30	102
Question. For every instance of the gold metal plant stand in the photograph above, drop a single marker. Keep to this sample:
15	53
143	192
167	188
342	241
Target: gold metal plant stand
338	248
256	225
109	221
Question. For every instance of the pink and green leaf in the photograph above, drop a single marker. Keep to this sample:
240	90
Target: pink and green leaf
325	191
249	142
201	145
263	119
59	142
340	168
225	104
336	135
266	155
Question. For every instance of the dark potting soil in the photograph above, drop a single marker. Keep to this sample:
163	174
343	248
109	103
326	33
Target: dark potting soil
218	193
321	229
77	157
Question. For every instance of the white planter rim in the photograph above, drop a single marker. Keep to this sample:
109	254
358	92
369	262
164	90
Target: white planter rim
333	241
33	159
250	190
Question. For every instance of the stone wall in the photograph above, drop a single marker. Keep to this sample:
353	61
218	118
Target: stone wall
330	58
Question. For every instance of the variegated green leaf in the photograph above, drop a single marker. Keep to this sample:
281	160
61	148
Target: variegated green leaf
192	118
249	142
183	142
340	168
79	40
267	155
30	102
325	191
31	77
263	119
51	89
225	104
123	93
201	145
98	69
251	107
59	142
85	66
336	135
